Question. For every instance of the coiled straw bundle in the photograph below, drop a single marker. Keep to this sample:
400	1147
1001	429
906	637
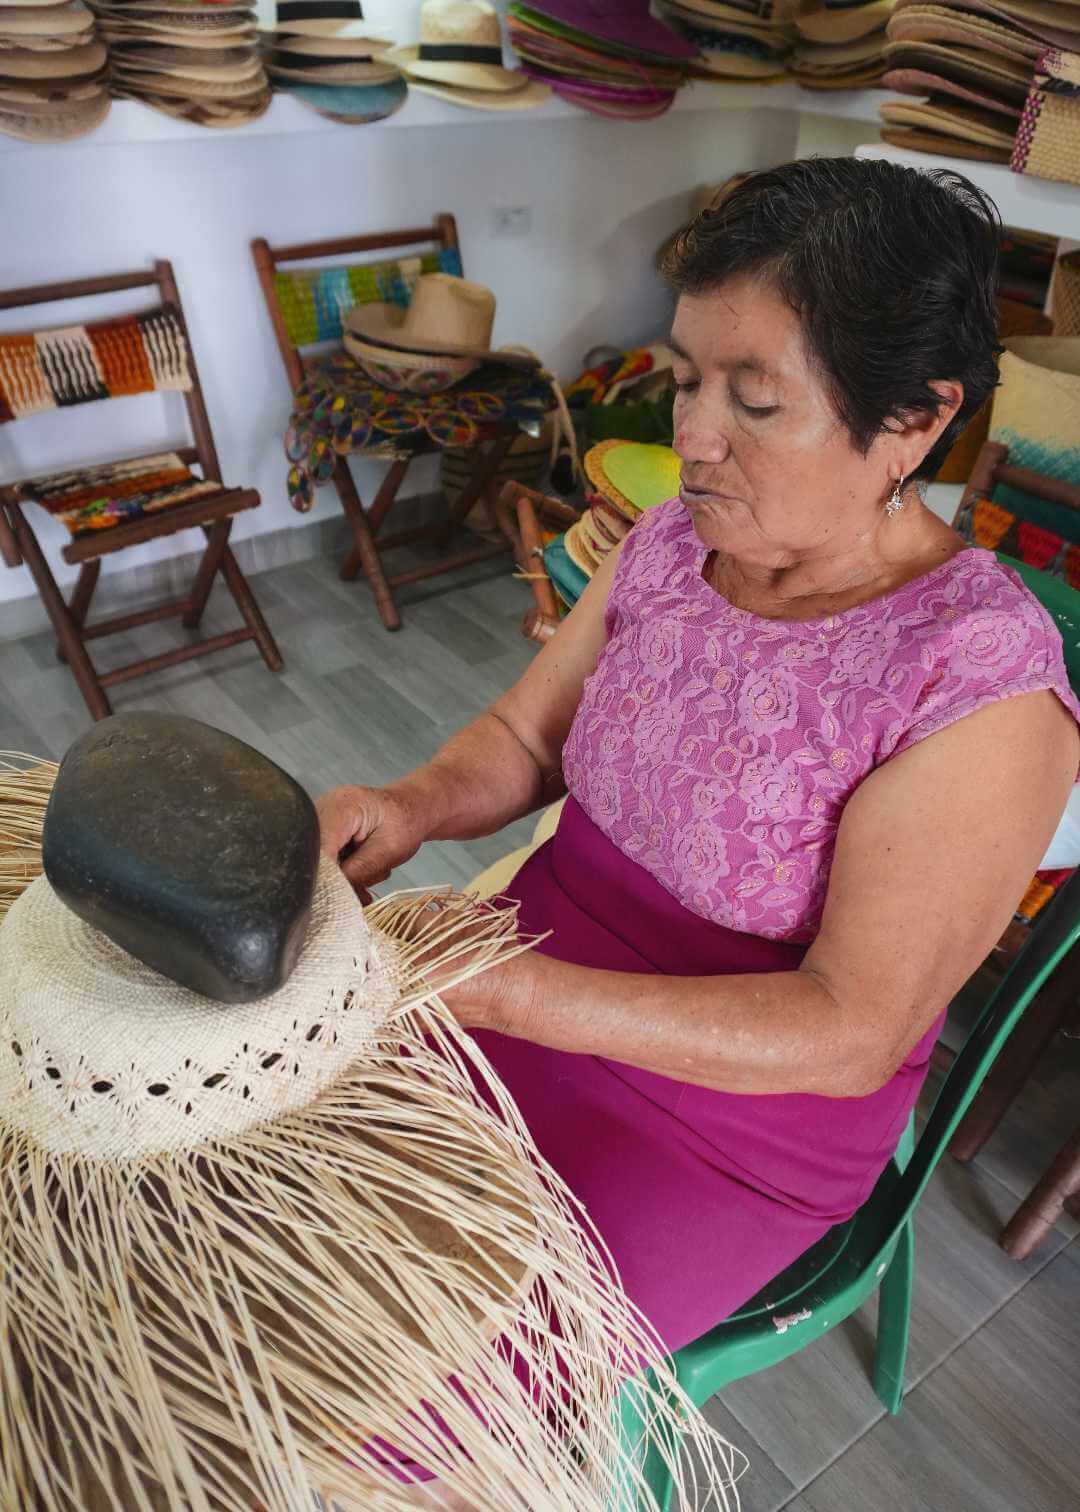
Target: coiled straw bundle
312	1305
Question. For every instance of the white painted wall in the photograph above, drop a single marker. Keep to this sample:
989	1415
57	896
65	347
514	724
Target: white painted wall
603	195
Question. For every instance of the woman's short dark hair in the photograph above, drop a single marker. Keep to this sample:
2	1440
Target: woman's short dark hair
892	272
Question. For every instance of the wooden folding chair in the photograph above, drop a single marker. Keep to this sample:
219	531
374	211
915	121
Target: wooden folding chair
110	506
298	328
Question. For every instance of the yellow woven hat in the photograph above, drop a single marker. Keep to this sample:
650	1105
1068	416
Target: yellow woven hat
634	474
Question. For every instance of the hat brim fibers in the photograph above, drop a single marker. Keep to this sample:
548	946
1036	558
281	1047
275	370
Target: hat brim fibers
203	1308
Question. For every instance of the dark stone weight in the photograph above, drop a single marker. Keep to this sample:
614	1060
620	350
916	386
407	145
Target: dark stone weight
187	848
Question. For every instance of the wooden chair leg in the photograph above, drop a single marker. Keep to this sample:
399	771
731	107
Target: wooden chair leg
1017	1060
388	491
248	606
67	632
79	604
1038	1213
482	477
364	553
217	539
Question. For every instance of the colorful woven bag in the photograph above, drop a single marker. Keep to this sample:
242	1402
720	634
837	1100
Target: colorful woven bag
1048	137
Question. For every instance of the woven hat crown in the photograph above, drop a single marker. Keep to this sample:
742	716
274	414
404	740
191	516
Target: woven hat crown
102	1057
460	21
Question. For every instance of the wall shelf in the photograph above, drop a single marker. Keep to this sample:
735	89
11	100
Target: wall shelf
129	121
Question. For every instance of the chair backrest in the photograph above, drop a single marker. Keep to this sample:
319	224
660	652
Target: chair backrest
145	352
308	305
1055	932
1026	514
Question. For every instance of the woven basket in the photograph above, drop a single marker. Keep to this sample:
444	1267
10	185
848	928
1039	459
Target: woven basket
1036	415
1065	296
1048	138
524	463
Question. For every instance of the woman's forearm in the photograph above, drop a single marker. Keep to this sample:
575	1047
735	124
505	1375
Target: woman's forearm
482	778
763	1033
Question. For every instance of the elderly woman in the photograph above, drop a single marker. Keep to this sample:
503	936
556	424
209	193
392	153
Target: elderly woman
814	746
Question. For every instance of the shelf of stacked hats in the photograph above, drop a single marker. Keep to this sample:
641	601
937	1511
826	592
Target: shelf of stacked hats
334	63
995	85
52	71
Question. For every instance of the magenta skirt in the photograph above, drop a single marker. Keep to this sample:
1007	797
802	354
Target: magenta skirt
701	1196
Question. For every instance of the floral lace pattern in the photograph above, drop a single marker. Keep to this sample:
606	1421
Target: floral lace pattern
717	749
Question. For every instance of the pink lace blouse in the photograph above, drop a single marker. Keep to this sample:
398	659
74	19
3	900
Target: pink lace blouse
717	749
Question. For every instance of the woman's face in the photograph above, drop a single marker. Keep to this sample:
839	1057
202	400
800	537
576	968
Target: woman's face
769	472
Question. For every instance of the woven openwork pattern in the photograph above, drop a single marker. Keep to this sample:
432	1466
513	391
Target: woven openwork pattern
133	354
315	301
116	493
102	1055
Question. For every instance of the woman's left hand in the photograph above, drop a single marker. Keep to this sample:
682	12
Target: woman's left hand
501	997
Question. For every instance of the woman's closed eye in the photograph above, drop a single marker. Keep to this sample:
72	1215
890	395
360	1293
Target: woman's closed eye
756	411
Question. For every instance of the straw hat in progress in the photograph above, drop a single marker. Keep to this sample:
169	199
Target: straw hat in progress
258	1249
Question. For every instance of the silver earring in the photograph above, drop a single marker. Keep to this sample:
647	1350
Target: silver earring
895	502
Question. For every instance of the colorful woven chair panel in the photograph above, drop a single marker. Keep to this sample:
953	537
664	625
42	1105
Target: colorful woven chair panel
135	354
985	523
338	409
315	301
116	493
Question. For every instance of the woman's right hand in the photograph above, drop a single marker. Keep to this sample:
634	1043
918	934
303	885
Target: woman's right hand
368	831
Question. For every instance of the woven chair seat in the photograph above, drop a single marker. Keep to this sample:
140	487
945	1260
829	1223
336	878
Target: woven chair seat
111	494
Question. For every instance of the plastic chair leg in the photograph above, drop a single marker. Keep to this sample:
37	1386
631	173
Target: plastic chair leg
894	1319
641	1453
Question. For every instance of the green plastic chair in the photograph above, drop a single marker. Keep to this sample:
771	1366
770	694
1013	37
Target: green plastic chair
875	1248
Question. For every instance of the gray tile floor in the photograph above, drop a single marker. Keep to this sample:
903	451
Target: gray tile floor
991	1421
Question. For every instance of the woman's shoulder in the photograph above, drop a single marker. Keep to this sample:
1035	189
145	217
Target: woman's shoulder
974	602
975	634
661	540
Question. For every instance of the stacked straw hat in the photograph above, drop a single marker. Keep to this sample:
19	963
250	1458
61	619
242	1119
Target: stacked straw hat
459	58
625	479
440	338
736	42
841	43
259	1249
335	57
194	59
53	82
969	70
612	57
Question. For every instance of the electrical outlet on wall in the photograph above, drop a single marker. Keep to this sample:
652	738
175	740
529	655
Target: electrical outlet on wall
511	220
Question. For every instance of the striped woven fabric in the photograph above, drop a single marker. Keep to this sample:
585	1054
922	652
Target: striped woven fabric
133	354
985	523
116	493
315	301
